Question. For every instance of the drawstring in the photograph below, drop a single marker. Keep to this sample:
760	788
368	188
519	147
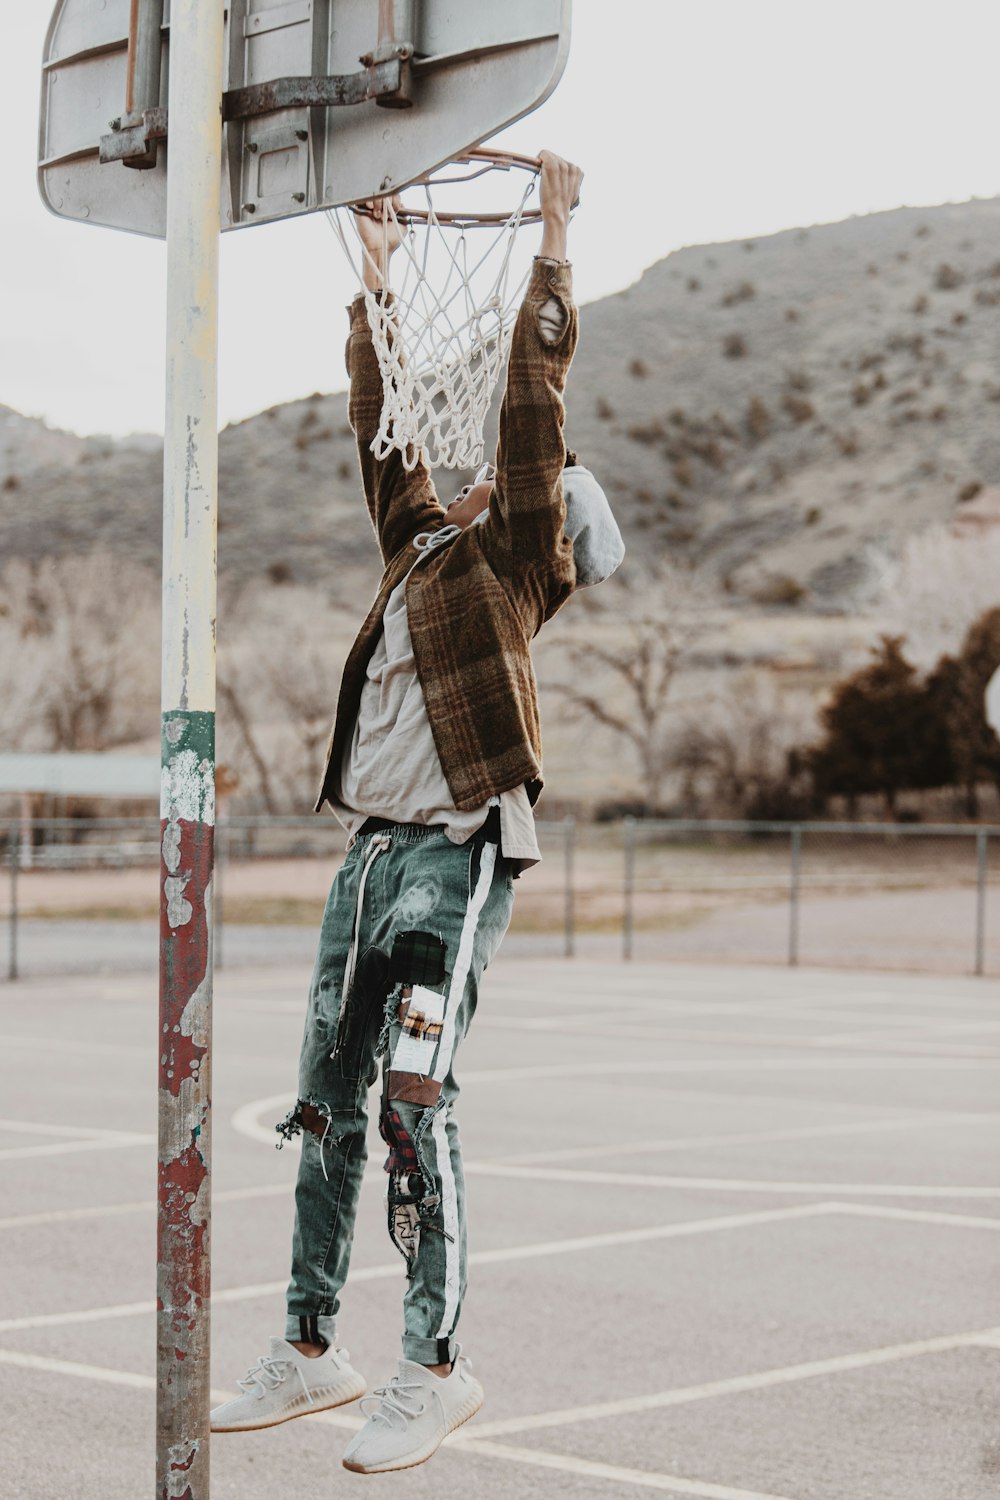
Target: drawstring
426	541
378	845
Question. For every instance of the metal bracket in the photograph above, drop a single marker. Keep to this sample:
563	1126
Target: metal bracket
380	82
133	137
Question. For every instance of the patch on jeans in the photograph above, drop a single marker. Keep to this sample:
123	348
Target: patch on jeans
418	901
402	1152
421	1024
417	958
413	1088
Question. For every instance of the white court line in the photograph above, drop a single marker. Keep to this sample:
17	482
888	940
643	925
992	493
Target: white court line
142	1205
503	1256
915	1215
733	1184
566	1463
736	1138
68	1148
252	1128
31	1127
106	1376
736	1384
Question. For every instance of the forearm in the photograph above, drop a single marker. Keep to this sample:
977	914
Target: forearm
400	502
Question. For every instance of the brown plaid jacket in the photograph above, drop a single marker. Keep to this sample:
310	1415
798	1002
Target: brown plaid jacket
475	605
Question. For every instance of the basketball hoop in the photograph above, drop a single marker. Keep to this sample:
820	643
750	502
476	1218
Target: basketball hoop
442	337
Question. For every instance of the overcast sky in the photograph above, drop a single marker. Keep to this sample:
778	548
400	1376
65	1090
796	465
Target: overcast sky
696	121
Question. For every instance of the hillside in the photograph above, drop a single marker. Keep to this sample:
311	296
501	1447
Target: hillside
786	410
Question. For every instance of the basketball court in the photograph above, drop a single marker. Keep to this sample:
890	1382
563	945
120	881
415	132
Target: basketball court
732	1236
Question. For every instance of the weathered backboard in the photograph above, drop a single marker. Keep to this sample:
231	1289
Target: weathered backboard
452	73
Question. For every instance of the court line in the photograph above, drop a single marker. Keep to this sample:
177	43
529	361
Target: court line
68	1148
565	1462
736	1384
104	1375
503	1256
255	1131
915	1215
732	1184
674	1484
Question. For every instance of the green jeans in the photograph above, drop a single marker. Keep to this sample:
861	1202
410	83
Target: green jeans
411	923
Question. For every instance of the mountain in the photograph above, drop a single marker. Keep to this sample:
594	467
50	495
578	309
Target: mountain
785	410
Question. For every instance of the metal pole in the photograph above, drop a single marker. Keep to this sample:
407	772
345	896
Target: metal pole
793	896
981	870
14	854
628	920
187	814
569	917
218	903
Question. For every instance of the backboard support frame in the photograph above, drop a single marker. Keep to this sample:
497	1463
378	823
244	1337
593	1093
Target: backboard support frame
305	127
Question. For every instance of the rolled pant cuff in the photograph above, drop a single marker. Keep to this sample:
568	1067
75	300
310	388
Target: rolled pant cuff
428	1351
311	1329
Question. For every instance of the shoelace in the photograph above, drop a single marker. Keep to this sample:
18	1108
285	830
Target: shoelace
392	1401
426	541
267	1374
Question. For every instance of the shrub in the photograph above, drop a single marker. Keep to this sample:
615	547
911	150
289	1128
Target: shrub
758	419
734	346
791	315
920	305
798	407
647	432
694	285
861	393
605	411
781	589
744	292
946	278
970	491
638	368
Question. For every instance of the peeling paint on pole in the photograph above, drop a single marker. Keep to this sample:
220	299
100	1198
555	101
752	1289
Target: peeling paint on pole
187	830
190	493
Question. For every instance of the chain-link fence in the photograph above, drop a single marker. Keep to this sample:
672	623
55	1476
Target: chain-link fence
83	895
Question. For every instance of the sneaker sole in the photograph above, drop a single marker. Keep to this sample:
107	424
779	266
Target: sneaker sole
325	1398
410	1460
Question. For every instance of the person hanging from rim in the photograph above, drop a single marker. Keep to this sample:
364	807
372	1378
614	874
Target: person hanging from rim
434	764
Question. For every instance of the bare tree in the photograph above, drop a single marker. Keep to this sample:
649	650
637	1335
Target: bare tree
624	652
80	657
280	665
734	756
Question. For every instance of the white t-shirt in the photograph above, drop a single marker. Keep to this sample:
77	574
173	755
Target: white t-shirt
391	768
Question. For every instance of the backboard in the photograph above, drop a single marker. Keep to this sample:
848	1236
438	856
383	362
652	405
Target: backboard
326	101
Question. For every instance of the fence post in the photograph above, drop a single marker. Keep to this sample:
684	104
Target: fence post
981	869
14	853
569	914
793	895
627	916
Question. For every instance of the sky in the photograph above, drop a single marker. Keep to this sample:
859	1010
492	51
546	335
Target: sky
694	122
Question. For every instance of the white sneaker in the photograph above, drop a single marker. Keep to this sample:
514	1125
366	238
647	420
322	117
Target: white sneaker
286	1384
415	1412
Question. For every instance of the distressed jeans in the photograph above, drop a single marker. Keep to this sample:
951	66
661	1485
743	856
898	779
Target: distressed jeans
411	923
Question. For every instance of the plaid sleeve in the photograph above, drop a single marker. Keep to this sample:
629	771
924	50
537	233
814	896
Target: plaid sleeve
400	503
527	512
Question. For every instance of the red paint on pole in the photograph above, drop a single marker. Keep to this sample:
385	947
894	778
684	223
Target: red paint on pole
184	1157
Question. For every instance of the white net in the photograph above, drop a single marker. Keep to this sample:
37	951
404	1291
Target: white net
442	339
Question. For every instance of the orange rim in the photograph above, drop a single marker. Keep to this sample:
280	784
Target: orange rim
483	159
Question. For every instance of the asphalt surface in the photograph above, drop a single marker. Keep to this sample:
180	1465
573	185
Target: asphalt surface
734	1236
